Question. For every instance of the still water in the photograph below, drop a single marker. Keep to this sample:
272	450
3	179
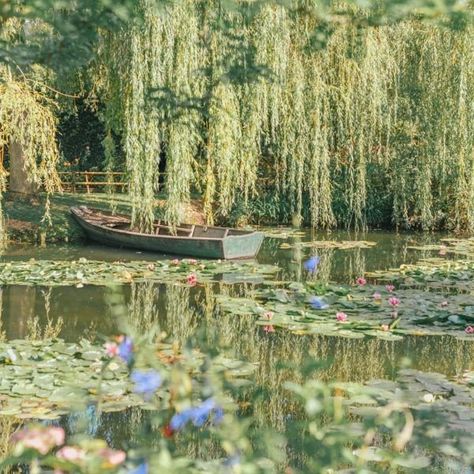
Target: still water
183	312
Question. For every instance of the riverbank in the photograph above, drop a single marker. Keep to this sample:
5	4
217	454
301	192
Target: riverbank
25	219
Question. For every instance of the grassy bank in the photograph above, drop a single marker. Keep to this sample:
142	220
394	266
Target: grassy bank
26	223
25	219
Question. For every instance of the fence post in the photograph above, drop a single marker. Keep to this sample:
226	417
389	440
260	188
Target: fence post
86	175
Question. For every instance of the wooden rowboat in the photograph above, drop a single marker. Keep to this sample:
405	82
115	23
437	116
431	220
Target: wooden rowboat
191	240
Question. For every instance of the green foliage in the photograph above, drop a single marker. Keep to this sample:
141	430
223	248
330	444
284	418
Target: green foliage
356	114
413	423
371	129
82	140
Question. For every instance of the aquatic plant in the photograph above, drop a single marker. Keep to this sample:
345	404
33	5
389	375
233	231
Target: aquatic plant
326	418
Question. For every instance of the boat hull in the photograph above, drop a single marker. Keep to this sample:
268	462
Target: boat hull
230	247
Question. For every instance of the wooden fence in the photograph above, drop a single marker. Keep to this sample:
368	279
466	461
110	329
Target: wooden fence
93	181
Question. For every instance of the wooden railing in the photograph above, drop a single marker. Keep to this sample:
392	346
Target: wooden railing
93	181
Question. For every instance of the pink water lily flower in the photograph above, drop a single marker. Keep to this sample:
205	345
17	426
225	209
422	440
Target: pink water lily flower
341	317
268	315
393	301
268	328
41	438
191	279
192	261
175	261
389	288
469	330
385	327
112	349
71	453
377	297
361	281
443	304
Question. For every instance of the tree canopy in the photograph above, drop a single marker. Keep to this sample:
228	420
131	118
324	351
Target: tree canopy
342	110
348	110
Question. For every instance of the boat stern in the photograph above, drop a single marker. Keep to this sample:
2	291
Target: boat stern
242	246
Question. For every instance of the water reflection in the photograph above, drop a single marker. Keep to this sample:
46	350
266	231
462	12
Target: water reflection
182	312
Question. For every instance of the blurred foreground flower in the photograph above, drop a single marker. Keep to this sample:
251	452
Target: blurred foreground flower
311	265
469	330
197	415
111	457
40	438
318	303
141	469
125	349
146	382
71	453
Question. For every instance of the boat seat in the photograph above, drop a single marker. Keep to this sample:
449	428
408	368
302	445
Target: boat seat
210	232
162	229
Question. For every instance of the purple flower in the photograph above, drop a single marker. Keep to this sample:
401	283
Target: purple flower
146	382
318	303
311	264
125	349
141	469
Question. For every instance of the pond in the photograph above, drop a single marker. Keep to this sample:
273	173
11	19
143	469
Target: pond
95	313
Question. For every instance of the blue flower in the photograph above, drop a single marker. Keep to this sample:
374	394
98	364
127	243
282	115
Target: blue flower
198	415
218	415
141	469
232	461
202	412
311	265
180	420
318	303
125	349
146	382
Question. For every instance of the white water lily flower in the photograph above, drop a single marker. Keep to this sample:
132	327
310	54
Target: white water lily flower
428	398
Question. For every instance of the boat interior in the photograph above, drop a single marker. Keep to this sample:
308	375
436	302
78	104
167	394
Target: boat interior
120	222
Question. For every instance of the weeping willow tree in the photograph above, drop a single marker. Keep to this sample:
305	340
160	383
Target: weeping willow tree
346	128
27	126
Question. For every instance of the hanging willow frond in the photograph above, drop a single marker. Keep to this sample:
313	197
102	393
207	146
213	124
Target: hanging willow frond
379	116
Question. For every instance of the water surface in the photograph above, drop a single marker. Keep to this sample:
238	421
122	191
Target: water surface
183	312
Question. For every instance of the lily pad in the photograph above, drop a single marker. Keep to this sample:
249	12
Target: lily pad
48	379
89	272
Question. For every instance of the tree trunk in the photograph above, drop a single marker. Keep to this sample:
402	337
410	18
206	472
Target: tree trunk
19	180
